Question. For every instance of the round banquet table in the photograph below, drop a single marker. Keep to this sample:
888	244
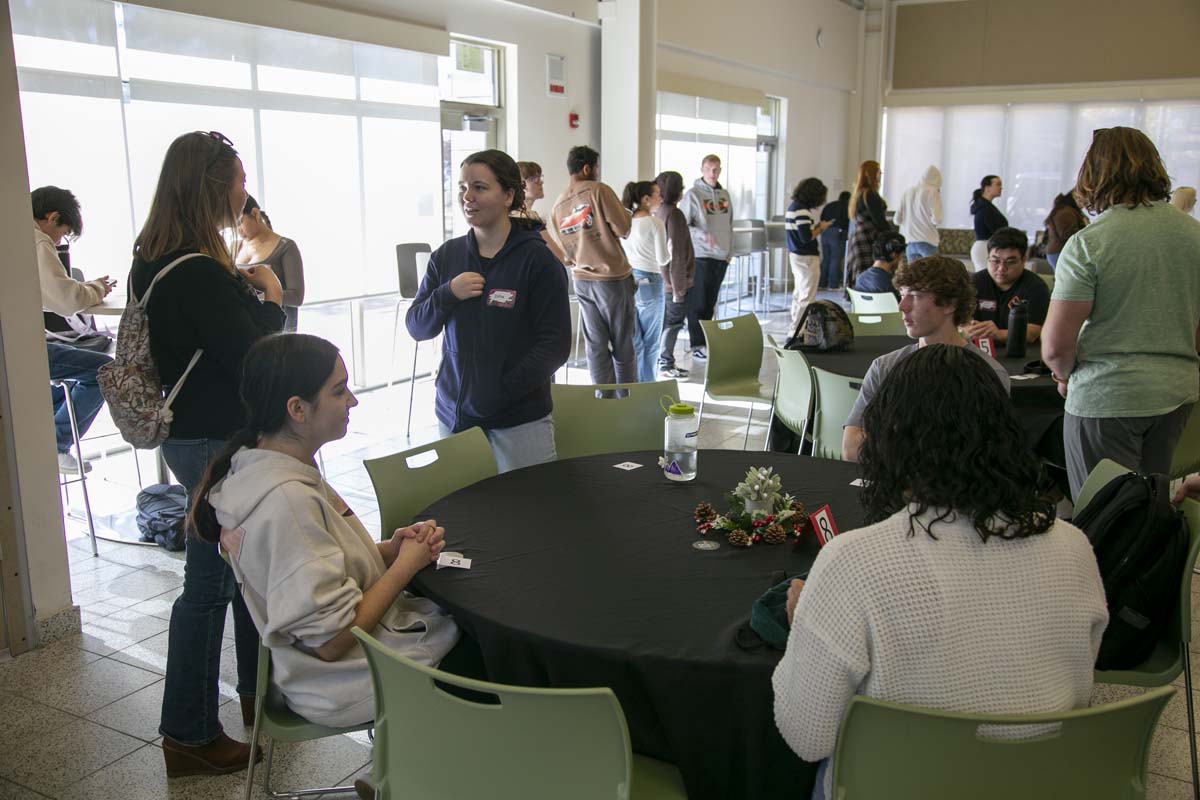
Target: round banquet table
584	574
1037	401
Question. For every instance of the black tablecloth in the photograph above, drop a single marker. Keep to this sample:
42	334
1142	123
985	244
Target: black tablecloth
585	575
1038	403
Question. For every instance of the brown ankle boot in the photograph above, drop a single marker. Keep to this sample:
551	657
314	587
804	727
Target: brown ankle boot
247	701
221	756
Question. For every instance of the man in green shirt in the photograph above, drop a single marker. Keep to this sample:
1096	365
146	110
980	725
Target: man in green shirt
1121	335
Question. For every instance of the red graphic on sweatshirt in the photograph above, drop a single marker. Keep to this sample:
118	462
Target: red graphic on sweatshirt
580	217
718	206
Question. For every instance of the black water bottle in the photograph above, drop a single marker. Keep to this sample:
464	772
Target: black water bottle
1018	322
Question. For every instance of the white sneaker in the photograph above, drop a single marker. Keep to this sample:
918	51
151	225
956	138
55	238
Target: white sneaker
69	466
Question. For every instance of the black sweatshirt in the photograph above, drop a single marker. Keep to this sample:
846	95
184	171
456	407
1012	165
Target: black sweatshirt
988	218
201	305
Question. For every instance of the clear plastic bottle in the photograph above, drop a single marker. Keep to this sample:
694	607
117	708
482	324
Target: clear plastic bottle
680	437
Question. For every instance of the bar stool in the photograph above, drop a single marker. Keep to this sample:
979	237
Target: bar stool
409	275
66	385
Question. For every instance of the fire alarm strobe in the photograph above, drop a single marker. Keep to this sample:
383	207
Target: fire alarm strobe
573	120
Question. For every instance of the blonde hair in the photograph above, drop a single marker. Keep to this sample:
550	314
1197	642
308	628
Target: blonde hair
1122	167
867	180
191	201
1184	198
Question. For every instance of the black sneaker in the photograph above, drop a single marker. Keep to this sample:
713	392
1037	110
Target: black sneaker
672	372
700	354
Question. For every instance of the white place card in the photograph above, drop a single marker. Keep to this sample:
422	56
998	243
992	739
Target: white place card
451	559
627	465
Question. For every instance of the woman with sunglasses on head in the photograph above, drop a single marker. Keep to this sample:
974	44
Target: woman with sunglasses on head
531	180
203	304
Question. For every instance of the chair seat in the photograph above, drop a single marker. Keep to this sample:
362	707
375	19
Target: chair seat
655	780
1162	667
745	391
285	725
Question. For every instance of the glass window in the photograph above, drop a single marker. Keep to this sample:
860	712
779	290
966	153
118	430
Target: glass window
1037	169
912	142
468	75
973	147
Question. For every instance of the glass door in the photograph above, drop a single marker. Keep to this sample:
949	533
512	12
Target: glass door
465	130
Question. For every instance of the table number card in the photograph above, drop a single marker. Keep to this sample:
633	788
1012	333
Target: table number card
987	344
823	524
456	560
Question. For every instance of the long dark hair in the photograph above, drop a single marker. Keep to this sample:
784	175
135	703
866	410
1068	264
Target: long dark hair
941	434
276	369
631	198
810	193
1065	200
670	184
508	175
985	182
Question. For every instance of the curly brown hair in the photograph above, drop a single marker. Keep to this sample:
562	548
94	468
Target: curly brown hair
1122	167
945	278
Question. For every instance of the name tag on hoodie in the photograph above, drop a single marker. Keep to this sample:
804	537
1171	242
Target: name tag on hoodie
502	298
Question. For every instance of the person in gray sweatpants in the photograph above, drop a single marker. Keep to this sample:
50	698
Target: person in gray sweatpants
608	315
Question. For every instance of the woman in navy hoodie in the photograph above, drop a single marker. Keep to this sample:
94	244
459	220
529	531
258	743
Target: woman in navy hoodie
500	295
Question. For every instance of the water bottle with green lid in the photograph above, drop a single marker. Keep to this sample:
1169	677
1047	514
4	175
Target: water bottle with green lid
680	436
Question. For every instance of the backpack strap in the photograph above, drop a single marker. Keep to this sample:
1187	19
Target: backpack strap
162	273
179	383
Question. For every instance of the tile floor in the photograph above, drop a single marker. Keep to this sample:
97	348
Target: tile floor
81	715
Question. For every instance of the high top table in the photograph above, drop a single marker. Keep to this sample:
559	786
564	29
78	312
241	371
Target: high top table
584	574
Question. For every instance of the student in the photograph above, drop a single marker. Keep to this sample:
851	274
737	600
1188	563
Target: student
988	218
1184	198
1131	369
56	217
920	213
679	276
936	297
1004	283
204	303
532	181
261	245
709	214
889	248
646	249
308	568
803	236
588	222
1064	221
833	241
868	219
500	296
963	593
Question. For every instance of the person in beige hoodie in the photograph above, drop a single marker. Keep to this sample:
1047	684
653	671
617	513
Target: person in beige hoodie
588	222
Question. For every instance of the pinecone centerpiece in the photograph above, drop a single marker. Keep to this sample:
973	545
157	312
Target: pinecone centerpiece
759	512
739	538
774	534
704	513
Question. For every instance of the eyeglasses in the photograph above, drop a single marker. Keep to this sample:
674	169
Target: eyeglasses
534	179
1008	262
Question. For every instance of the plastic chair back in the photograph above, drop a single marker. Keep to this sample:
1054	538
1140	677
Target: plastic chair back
794	391
410	267
594	419
878	324
735	349
405	484
900	752
835	396
534	743
1186	458
1100	475
873	303
1048	279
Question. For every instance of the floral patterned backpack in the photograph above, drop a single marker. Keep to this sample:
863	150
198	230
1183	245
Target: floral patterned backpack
131	385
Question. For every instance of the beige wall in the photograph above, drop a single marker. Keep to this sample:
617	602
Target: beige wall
770	46
1027	42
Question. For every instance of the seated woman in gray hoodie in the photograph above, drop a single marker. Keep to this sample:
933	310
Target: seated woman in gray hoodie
308	568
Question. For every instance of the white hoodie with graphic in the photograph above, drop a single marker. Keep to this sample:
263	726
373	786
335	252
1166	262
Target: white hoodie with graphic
920	211
304	567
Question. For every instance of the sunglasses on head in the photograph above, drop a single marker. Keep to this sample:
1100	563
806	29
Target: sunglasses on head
220	137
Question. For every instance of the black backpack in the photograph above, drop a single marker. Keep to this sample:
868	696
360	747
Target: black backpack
1141	544
823	326
161	511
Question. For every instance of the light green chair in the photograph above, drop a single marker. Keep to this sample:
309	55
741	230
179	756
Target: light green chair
835	396
735	353
878	324
888	750
1186	458
273	717
873	302
592	419
1048	279
793	390
405	483
534	744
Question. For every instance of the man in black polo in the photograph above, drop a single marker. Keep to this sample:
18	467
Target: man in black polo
1004	283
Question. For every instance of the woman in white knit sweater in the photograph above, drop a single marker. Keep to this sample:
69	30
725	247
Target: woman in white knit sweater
966	594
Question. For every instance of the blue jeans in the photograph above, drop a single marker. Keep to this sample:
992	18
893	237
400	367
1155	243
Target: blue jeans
917	250
190	696
74	364
649	301
833	253
1053	259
